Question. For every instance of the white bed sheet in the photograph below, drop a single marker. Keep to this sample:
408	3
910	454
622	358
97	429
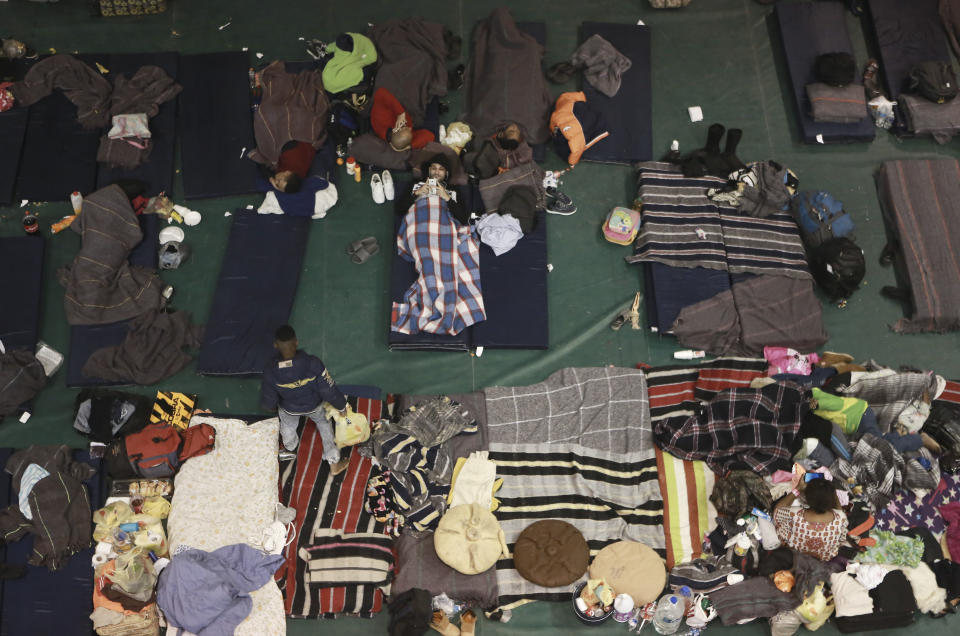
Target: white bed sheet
229	496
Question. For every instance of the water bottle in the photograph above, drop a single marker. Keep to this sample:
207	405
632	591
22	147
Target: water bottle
670	611
686	595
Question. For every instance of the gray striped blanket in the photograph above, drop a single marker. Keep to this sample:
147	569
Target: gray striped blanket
920	199
684	228
576	447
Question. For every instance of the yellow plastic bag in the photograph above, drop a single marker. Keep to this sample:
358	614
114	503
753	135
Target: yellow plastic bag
349	429
816	608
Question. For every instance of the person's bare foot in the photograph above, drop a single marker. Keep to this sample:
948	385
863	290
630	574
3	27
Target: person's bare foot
467	622
442	624
930	444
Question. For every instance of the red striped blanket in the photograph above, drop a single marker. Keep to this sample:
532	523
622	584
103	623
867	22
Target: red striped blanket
325	501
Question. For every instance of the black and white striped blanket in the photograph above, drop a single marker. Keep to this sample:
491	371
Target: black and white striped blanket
683	227
576	447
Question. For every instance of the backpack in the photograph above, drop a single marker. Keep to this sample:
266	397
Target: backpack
821	217
943	425
838	266
154	451
935	81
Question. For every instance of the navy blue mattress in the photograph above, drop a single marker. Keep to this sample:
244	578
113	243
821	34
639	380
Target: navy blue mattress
157	171
13	128
255	292
21	288
515	294
45	602
669	289
58	155
907	32
628	114
85	339
216	125
809	29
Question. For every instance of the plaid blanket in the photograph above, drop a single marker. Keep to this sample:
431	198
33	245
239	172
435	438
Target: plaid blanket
881	470
446	297
575	447
685	486
738	428
887	392
601	408
325	501
685	228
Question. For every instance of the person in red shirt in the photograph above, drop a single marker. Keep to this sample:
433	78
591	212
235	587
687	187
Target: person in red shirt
391	122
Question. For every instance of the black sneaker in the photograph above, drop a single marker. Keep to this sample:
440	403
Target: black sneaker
559	203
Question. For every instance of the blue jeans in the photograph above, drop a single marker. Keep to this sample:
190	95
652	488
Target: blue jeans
288	430
902	443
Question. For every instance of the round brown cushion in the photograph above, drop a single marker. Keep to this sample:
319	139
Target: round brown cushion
551	553
631	568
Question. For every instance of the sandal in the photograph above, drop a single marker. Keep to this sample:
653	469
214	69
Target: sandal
360	244
363	254
442	624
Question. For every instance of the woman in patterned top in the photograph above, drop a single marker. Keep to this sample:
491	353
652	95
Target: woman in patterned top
817	530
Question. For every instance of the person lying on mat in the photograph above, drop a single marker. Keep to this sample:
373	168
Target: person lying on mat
436	171
818	529
391	122
507	148
296	383
293	166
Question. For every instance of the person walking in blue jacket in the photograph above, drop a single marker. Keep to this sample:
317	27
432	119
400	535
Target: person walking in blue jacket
296	383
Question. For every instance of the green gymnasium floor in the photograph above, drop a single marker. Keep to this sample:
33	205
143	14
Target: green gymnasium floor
717	54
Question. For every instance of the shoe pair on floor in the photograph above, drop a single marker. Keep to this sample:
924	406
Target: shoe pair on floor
381	187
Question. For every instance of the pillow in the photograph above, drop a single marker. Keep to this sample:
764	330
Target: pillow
551	553
469	539
370	149
835	69
631	568
830	104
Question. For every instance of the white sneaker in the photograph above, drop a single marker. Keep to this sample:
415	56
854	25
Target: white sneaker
387	180
376	186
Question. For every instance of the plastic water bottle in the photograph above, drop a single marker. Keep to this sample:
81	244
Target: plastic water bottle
670	611
686	595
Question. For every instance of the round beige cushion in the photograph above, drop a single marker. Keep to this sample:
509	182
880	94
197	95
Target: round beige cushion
631	568
551	553
469	539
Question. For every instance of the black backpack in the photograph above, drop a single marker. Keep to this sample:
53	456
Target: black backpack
838	266
943	425
935	81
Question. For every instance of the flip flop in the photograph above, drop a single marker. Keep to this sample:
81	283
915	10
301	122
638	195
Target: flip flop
363	254
357	245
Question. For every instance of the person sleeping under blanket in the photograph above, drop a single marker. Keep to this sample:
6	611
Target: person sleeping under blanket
297	187
446	297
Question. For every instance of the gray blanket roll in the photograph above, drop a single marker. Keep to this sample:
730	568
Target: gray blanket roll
837	105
